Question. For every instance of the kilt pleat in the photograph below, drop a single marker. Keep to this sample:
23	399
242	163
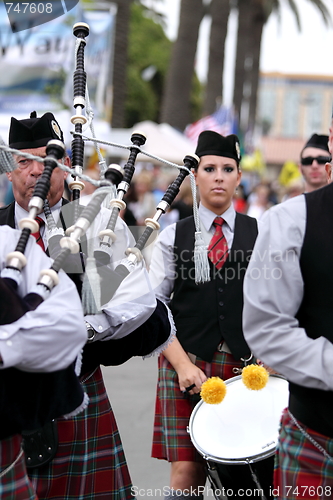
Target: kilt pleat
90	462
173	409
301	469
14	484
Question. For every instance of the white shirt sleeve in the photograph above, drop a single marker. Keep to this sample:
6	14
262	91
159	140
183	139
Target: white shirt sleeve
50	337
132	304
273	292
162	270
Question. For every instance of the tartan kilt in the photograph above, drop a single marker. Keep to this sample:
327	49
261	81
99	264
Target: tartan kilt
173	409
90	463
14	484
301	470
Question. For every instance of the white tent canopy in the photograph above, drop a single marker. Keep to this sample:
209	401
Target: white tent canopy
162	141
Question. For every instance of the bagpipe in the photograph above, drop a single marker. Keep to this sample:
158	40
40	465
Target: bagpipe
110	280
114	182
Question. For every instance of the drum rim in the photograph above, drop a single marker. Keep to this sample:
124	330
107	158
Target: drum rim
241	460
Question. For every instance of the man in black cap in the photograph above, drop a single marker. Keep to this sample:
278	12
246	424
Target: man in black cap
314	162
208	316
90	461
31	136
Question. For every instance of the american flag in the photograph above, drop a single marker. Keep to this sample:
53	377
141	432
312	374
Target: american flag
222	121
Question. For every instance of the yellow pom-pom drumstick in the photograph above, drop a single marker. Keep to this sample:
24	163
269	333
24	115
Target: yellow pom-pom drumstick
255	377
213	390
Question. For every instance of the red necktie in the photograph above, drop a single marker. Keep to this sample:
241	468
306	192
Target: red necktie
218	246
37	235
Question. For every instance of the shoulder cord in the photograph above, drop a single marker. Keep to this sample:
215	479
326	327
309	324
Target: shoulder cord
310	438
5	471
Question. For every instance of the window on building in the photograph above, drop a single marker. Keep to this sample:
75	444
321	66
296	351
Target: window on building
291	113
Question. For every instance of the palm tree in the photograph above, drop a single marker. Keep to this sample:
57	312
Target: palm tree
243	37
253	15
219	12
175	108
120	62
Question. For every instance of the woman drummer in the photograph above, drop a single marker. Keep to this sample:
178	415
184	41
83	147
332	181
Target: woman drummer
208	316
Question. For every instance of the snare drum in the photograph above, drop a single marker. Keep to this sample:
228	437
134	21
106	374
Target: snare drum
243	428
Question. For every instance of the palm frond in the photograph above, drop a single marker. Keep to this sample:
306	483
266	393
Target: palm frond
323	9
294	9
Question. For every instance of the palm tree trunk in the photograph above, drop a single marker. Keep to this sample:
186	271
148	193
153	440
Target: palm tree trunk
219	11
252	16
120	62
176	99
242	50
259	18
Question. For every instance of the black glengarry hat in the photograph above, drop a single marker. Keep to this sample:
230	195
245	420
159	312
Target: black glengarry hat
212	143
317	141
34	132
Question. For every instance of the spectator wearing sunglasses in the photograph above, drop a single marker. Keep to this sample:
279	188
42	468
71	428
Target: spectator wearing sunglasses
314	163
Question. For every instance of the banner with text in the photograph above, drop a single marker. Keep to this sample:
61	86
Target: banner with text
37	64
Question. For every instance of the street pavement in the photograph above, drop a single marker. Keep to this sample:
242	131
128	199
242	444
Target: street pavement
131	388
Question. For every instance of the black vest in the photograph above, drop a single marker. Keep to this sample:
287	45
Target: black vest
314	407
207	313
30	400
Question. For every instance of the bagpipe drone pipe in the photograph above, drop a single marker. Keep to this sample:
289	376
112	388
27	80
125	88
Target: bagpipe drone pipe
80	31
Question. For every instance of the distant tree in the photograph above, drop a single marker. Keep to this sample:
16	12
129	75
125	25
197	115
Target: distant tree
148	61
176	102
242	50
252	16
219	11
119	61
260	13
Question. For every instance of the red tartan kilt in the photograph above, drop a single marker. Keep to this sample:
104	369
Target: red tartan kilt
173	409
90	461
15	484
301	469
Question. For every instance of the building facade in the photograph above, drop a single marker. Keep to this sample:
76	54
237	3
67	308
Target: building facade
294	106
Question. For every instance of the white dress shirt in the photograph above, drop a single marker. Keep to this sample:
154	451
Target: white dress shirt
50	337
273	292
162	271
